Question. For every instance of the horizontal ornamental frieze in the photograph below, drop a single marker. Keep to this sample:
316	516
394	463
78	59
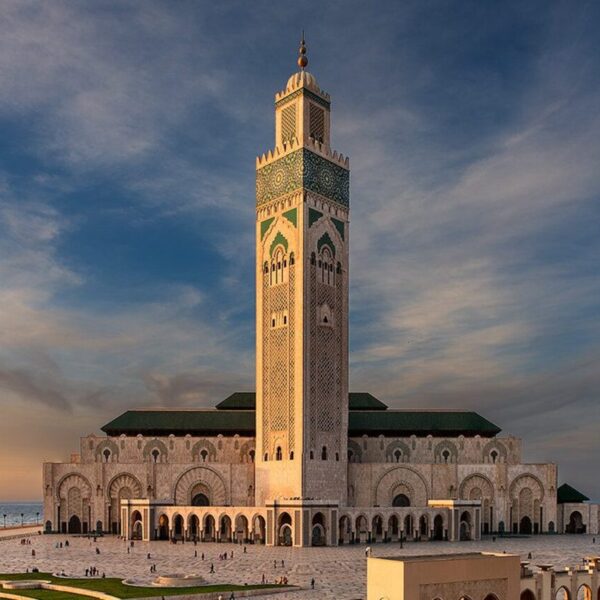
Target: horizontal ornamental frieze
302	169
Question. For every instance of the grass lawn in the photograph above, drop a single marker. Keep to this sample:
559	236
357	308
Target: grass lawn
47	595
114	587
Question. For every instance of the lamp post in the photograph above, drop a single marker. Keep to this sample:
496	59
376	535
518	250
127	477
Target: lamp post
22	515
4	521
37	518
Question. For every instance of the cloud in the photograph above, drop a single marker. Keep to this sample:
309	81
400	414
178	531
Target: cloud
474	244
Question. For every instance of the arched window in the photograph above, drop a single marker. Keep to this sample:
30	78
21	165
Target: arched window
278	453
106	455
401	500
155	455
292	259
251	454
337	457
324	453
311	455
204	454
398	455
446	455
494	455
312	258
292	455
266	456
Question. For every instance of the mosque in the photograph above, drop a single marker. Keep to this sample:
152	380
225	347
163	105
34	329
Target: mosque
303	461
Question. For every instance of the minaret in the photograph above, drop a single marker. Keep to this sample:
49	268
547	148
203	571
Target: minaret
302	210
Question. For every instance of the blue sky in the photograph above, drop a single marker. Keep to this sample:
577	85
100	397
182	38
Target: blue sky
128	132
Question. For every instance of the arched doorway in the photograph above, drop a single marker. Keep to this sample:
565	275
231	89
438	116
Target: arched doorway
241	529
377	529
137	530
285	537
465	526
525	526
401	500
393	528
99	527
408	527
527	595
424	526
178	527
345	530
362	528
562	594
318	530
48	527
438	528
259	529
74	524
575	524
209	528
225	529
584	592
193	527
200	500
163	527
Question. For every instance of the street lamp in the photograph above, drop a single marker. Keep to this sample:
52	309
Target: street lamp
37	517
22	515
4	521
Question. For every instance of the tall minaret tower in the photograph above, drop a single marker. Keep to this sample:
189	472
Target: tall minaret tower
302	210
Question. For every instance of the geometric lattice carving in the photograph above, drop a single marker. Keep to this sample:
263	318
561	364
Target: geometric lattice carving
317	122
203	478
74	480
125	480
476	487
278	357
288	123
401	478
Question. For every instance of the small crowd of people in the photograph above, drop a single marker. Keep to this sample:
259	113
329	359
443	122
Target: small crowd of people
93	572
25	542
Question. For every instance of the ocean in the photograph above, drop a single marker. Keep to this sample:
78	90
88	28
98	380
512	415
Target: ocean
10	513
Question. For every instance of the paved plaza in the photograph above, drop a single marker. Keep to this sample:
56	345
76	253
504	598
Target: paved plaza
339	573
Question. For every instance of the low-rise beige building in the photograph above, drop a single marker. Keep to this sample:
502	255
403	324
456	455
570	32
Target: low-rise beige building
478	576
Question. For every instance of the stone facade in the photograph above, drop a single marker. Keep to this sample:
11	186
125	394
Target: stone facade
293	472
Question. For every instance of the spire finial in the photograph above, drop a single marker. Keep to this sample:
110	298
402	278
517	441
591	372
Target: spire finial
302	59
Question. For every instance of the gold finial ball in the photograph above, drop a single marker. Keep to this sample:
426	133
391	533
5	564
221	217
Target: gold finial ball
302	61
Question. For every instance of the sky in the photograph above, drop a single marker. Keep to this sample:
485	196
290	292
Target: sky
128	137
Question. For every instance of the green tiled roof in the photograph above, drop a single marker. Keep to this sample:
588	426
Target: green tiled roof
247	401
230	421
181	422
565	493
420	422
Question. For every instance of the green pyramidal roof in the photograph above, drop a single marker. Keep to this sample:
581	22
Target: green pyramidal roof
247	401
236	415
565	493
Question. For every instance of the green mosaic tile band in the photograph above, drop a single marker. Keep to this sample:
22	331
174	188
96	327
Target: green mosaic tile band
313	216
264	226
339	225
292	216
325	240
308	94
279	239
303	169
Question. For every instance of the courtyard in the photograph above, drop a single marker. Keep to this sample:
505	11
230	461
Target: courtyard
339	573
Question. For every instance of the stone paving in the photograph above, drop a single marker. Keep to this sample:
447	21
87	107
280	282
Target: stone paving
339	573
